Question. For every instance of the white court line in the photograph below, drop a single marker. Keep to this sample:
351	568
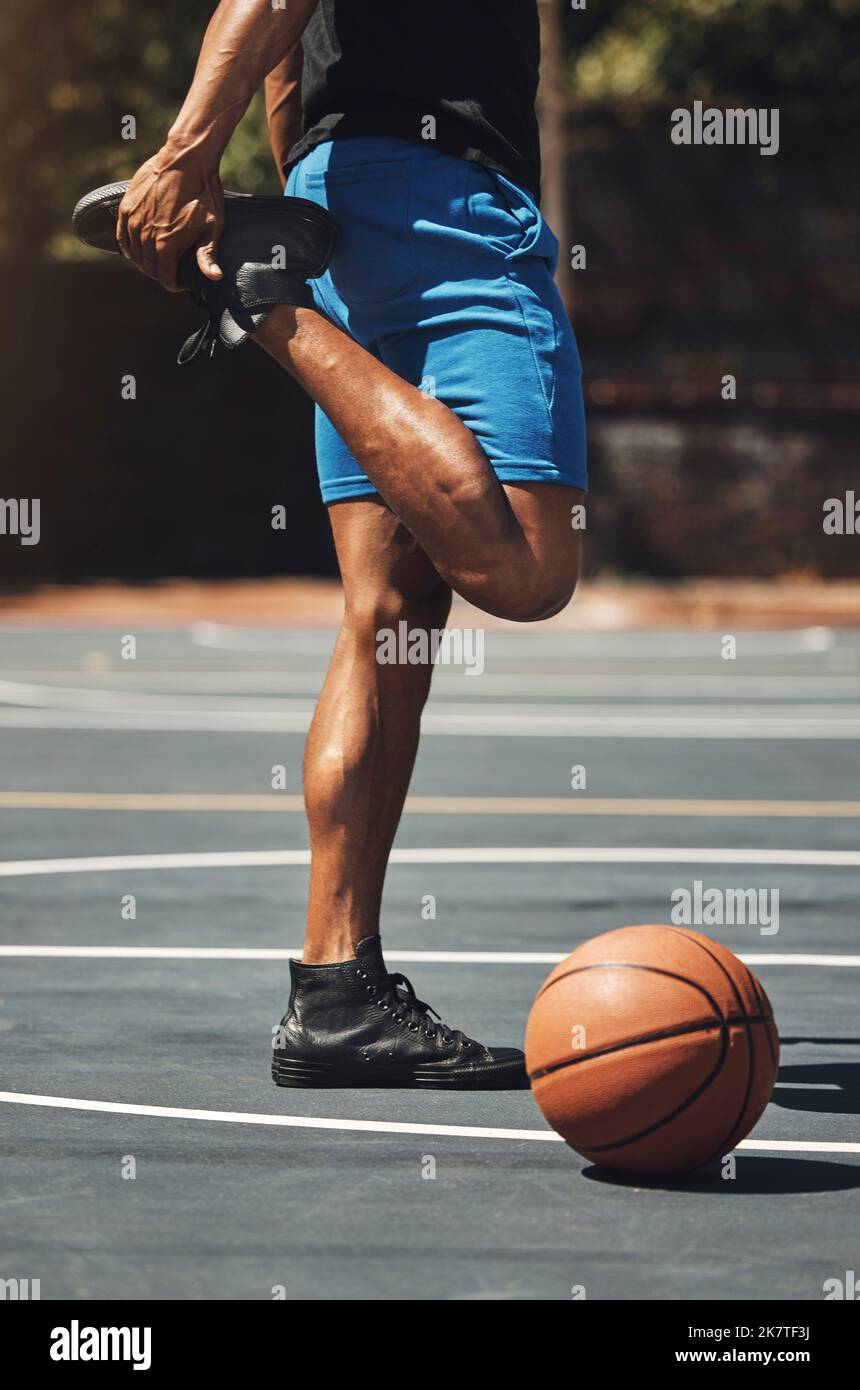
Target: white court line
808	1086
812	1146
371	1126
835	722
283	803
286	858
401	957
672	643
244	707
175	702
287	1121
248	684
664	643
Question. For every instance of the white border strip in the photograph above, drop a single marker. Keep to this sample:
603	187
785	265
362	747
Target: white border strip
28	952
372	1126
564	854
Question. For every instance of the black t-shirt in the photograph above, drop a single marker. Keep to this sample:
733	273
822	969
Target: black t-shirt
382	67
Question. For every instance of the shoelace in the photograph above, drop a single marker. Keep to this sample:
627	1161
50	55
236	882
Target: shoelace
259	289
410	1007
204	339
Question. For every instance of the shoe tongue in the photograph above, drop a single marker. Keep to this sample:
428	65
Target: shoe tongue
369	955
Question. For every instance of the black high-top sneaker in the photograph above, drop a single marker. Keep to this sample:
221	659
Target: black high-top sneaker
354	1024
269	248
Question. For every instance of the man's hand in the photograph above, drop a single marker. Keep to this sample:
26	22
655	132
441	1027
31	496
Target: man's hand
175	200
171	205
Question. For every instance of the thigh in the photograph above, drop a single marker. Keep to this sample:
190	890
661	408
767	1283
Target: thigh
366	185
509	369
444	271
550	517
489	335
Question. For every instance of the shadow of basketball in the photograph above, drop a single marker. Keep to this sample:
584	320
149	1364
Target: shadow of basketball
754	1177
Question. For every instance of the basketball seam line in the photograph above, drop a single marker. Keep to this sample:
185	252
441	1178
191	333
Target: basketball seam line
725	1144
719	1023
632	965
679	1109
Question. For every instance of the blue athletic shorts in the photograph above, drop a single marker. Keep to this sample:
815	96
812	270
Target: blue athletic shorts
444	271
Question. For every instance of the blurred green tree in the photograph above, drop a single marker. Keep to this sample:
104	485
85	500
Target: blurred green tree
748	51
72	71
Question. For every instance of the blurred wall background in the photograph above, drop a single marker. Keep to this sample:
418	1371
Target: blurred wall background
700	262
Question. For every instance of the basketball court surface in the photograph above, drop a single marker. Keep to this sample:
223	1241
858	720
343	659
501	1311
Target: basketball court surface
152	887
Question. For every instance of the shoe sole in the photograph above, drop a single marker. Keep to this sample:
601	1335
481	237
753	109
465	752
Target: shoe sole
504	1076
91	219
94	217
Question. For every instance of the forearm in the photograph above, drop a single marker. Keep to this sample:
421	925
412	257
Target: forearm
284	105
245	40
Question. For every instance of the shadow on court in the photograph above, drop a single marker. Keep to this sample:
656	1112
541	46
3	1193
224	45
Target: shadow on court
831	1088
754	1177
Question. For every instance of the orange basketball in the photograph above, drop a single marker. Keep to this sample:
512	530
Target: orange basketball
652	1049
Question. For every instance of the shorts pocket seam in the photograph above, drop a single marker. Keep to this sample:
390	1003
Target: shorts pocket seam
503	194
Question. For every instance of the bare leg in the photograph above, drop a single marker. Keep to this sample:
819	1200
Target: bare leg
364	736
350	1022
509	549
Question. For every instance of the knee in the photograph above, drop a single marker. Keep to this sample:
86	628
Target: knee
536	608
379	608
528	602
373	628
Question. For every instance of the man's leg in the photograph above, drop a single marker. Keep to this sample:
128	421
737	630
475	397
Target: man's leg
349	1022
509	549
364	736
